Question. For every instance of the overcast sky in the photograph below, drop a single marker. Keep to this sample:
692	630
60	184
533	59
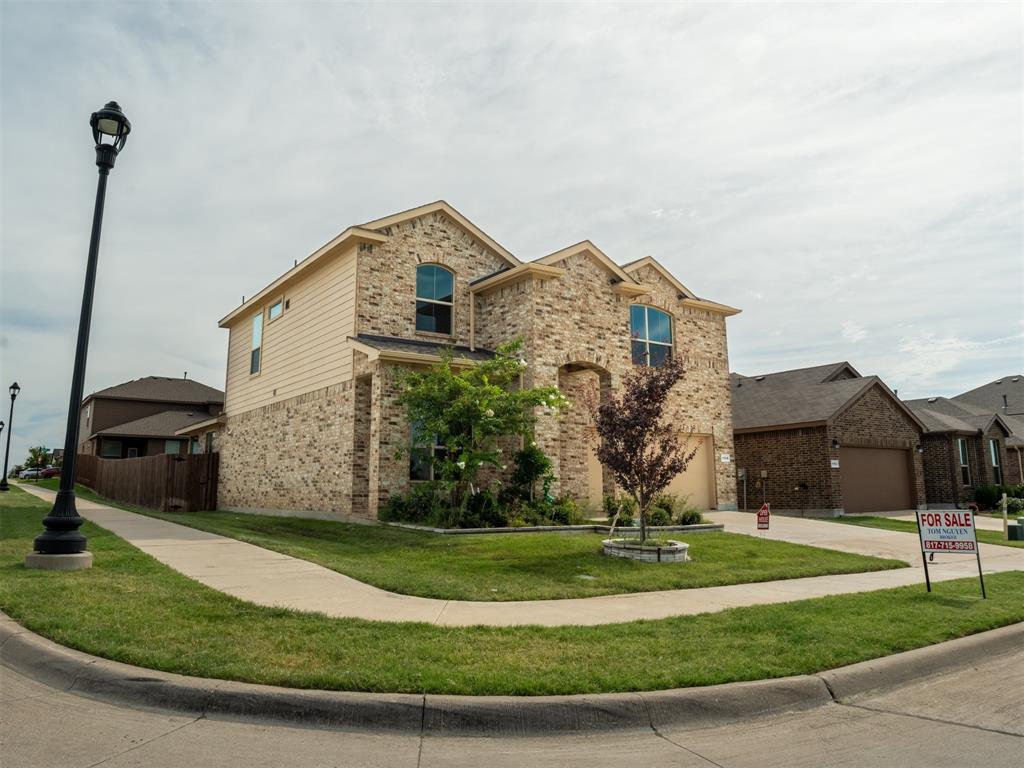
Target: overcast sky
848	175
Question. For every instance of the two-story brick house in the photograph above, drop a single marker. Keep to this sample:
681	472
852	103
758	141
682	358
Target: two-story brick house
311	423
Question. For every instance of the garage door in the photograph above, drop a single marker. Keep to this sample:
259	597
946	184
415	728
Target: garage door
875	479
698	481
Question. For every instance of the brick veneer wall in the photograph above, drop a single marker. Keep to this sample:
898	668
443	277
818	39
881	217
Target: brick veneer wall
944	485
292	456
1014	460
579	319
791	457
386	276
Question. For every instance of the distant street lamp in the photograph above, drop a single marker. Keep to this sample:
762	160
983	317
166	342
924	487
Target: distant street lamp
110	129
14	389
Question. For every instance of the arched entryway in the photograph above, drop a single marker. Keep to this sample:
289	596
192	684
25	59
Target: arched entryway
580	474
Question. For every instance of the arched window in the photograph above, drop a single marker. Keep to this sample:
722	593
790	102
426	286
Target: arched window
651	333
434	294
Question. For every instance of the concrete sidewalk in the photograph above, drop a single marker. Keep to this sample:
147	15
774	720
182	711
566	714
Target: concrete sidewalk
268	578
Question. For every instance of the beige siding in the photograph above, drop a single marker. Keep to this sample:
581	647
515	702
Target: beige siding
304	349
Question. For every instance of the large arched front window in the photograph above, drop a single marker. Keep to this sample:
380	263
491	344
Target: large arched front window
651	333
434	296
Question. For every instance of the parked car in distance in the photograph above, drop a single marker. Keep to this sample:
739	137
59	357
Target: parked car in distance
30	474
50	472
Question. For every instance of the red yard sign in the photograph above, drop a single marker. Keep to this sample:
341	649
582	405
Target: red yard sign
762	517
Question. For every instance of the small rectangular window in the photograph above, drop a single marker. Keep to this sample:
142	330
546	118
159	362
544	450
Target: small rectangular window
997	471
965	467
275	310
172	446
257	344
133	453
423	454
111	449
209	441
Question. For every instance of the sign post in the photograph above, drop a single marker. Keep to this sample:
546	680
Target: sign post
952	532
763	516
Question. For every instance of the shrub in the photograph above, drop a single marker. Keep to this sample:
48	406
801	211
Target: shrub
627	505
564	511
988	496
1014	505
531	465
659	516
420	505
483	510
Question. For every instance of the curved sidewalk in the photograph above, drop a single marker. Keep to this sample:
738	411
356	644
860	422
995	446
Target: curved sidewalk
272	579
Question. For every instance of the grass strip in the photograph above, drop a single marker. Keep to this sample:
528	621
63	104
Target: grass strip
131	608
909	526
523	566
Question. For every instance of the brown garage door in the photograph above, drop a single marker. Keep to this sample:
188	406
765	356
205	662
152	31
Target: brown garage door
874	479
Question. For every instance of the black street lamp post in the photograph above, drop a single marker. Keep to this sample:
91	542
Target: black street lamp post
110	129
14	389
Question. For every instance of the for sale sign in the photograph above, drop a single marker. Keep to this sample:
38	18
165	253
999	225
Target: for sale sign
762	517
951	531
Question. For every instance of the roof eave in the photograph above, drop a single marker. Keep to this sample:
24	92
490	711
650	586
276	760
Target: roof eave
351	236
523	271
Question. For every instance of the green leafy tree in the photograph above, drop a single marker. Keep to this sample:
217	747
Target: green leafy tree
470	410
38	457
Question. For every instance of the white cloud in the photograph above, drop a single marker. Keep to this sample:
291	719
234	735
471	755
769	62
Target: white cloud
854	332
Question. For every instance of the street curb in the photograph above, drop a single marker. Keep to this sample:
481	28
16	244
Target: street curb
54	665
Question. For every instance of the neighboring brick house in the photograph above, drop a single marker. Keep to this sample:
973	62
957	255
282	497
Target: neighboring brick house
825	441
144	417
1004	396
972	439
311	422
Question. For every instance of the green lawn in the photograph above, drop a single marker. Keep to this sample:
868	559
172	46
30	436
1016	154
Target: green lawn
131	608
525	566
909	526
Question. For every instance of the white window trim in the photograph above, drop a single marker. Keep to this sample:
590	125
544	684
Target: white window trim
964	458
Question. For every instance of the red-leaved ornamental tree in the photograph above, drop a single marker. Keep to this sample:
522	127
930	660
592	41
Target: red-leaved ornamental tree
636	444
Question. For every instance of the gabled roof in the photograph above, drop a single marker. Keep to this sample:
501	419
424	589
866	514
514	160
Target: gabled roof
990	396
623	278
462	221
941	414
801	397
162	389
165	424
366	233
650	261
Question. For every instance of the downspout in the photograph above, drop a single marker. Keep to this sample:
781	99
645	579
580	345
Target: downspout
472	322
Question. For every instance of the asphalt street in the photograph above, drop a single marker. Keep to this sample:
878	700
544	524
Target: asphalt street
972	717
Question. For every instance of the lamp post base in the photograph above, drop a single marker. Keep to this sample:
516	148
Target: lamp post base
76	562
4	486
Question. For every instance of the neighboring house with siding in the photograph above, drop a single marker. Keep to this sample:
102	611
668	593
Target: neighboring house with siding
972	439
311	421
144	417
825	441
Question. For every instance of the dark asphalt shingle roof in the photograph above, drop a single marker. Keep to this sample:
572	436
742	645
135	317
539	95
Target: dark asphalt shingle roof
990	396
163	424
792	397
943	414
163	389
420	347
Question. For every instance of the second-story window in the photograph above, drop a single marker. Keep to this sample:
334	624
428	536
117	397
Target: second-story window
257	344
651	332
275	310
434	298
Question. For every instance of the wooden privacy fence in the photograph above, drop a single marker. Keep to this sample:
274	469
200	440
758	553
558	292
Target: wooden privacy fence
167	482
